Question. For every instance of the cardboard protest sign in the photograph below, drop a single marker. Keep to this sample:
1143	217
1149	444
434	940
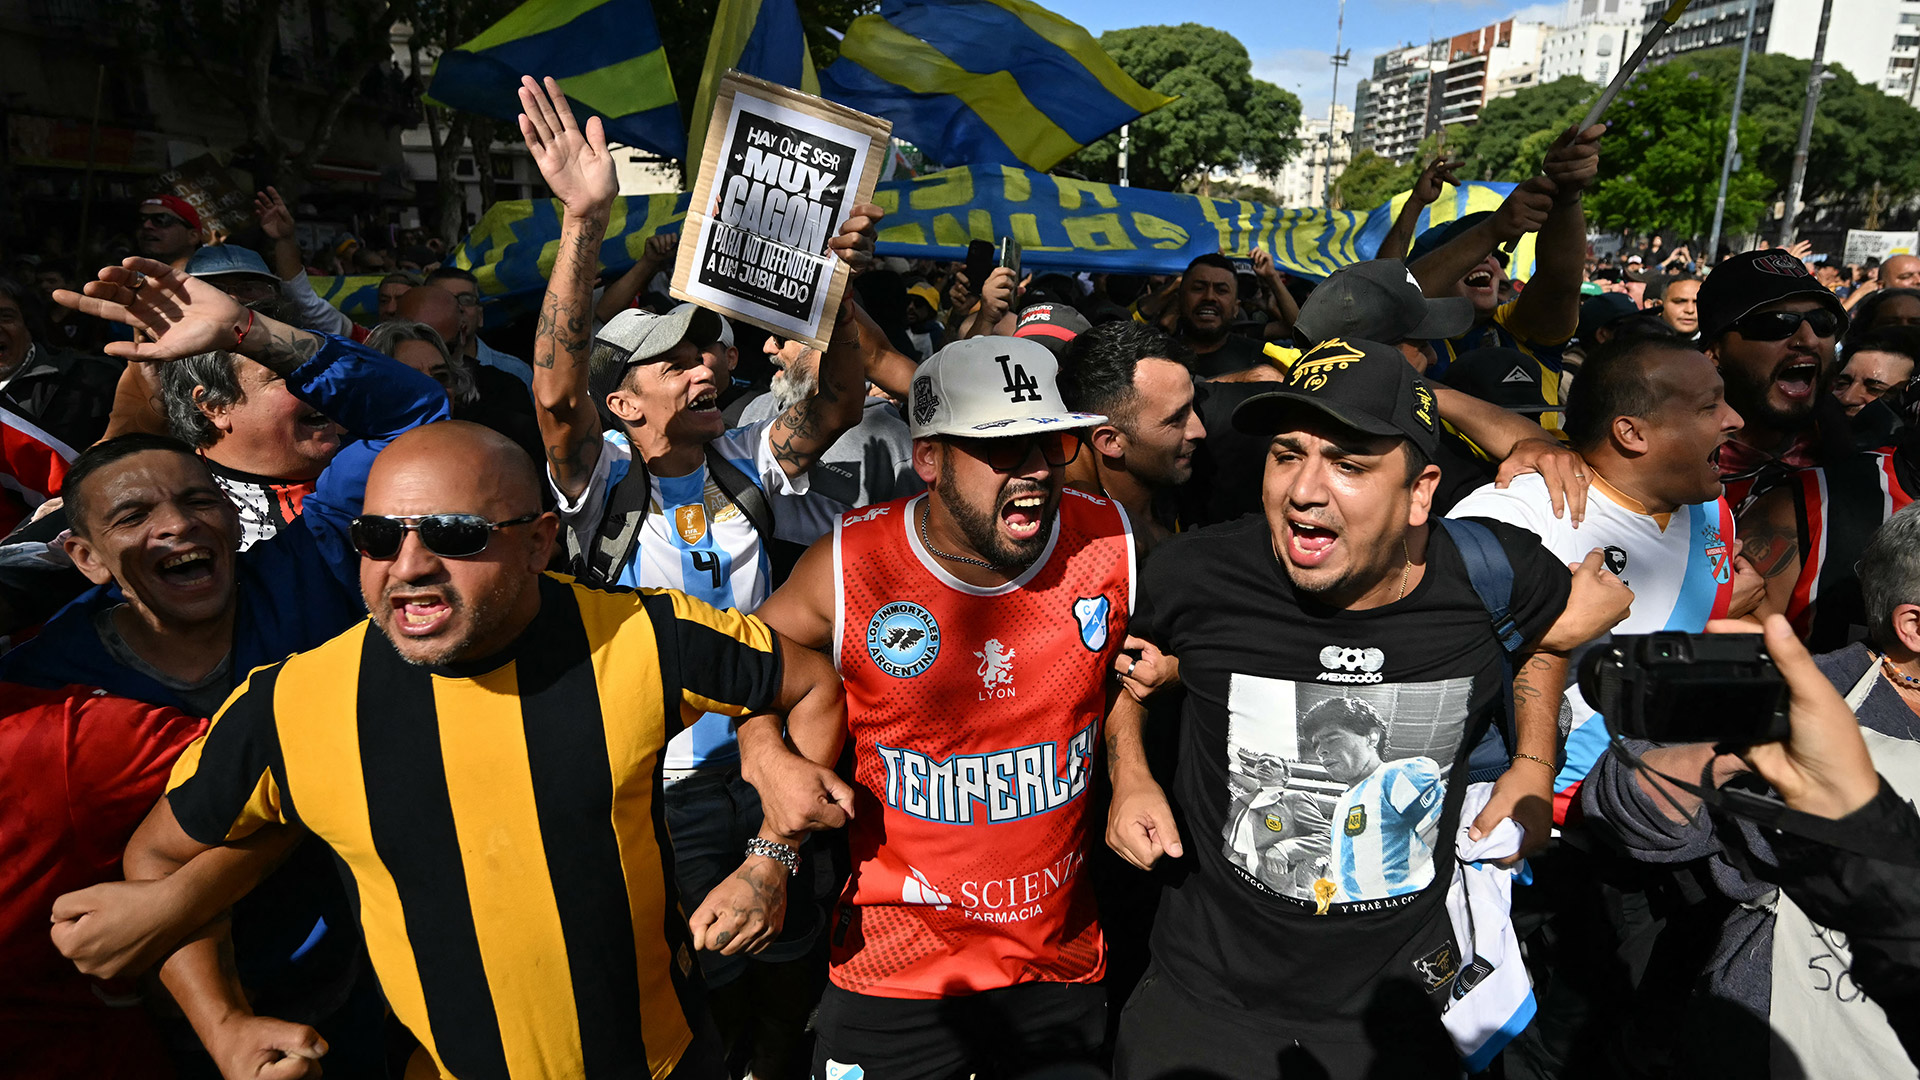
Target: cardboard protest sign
778	177
1863	245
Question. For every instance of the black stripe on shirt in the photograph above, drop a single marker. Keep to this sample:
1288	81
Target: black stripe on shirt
240	749
686	979
572	791
410	816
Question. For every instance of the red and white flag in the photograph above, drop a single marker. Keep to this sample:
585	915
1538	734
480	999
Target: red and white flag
32	466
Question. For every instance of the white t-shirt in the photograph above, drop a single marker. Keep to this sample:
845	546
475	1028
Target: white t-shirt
1679	566
694	540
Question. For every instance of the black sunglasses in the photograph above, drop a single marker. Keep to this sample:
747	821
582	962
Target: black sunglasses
161	221
1008	454
450	536
1781	325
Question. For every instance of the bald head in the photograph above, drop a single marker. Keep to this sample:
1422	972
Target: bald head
1900	272
458	467
437	308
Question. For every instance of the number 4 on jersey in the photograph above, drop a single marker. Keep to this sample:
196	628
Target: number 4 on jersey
1020	385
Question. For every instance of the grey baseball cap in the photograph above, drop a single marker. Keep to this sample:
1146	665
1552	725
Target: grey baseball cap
724	337
636	336
988	388
1380	300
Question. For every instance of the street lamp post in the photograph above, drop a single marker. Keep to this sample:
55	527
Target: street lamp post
1733	139
1815	76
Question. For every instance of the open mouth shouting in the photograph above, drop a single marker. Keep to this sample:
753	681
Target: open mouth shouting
1481	278
1309	544
1795	381
192	569
1023	514
420	614
707	401
1207	313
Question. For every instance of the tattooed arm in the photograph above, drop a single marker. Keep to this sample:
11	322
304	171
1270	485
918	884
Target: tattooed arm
1769	532
744	913
578	169
1525	791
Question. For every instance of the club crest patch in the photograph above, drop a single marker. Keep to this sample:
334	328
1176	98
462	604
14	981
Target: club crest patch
903	639
1091	613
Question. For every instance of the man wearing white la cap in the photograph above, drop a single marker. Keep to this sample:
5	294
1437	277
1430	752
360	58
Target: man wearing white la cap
974	627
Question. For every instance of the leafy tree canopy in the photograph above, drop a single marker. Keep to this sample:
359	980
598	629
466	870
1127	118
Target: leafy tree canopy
1224	116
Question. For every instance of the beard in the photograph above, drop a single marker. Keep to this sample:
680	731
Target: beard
474	620
982	527
790	389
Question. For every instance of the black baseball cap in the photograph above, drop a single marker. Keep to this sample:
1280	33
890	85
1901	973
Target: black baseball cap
1364	385
1602	310
1052	324
1380	300
1425	244
1754	279
1508	378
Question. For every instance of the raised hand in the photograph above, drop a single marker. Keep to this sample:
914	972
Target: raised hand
180	314
1573	161
1439	172
575	163
857	235
274	217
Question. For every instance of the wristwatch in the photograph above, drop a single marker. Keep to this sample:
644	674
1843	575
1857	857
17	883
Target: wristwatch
780	853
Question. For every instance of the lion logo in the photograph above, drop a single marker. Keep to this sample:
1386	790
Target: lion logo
996	664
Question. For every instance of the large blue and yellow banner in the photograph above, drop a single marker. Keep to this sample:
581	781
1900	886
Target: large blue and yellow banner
1062	224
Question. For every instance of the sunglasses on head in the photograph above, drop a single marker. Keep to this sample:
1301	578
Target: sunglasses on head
161	221
450	536
1009	454
1781	325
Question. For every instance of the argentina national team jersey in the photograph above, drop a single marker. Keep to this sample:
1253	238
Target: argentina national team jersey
1679	566
697	541
1384	827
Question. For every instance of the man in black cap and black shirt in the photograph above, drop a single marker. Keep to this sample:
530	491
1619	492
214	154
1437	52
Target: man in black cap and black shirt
1209	301
1342	589
1378	300
1771	328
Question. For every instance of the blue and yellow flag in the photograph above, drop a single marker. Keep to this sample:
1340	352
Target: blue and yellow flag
762	38
984	82
1061	223
606	54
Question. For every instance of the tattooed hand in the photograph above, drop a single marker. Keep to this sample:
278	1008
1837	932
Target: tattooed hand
744	913
182	316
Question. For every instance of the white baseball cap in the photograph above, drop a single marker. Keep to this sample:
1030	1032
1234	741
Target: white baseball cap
991	387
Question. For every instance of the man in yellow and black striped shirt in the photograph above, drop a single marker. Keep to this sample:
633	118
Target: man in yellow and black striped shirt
483	755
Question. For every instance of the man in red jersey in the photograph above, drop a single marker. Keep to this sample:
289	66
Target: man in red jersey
974	627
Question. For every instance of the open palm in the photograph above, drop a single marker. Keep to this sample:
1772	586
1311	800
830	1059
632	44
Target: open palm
574	162
180	314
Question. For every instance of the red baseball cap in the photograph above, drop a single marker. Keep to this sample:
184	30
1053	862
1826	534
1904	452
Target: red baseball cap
175	205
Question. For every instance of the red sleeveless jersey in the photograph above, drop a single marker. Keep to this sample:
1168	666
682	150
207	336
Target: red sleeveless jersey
974	715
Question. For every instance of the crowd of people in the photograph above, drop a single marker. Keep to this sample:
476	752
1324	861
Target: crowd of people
1067	675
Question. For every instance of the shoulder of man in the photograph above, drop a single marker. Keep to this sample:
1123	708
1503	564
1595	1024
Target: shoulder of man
1523	504
1540	579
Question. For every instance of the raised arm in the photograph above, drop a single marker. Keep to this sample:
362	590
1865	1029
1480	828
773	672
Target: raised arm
1548	309
579	172
618	295
1426	191
1525	210
277	222
806	429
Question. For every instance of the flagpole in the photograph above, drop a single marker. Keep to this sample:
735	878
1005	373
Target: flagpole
1733	142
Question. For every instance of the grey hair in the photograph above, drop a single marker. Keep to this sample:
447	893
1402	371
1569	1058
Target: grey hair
1890	574
391	333
217	378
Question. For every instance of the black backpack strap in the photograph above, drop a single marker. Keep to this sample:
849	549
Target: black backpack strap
743	493
598	563
1490	572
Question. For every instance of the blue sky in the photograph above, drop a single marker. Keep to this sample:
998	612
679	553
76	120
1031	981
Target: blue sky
1290	40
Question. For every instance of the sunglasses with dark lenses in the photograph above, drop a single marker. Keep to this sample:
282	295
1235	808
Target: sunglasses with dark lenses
1781	325
450	536
161	221
1009	454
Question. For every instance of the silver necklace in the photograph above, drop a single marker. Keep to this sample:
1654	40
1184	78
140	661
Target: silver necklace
926	510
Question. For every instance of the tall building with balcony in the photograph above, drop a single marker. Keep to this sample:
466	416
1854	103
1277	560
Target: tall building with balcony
1877	41
1396	107
1478	61
1593	40
1324	152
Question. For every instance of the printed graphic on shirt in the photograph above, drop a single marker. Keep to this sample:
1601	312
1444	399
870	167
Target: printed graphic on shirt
1003	785
1337	790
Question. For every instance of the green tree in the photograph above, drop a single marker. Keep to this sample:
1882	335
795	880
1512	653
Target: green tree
1512	134
1370	180
1224	117
1660	163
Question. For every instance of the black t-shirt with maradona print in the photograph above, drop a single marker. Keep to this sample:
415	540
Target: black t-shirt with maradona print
1322	767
